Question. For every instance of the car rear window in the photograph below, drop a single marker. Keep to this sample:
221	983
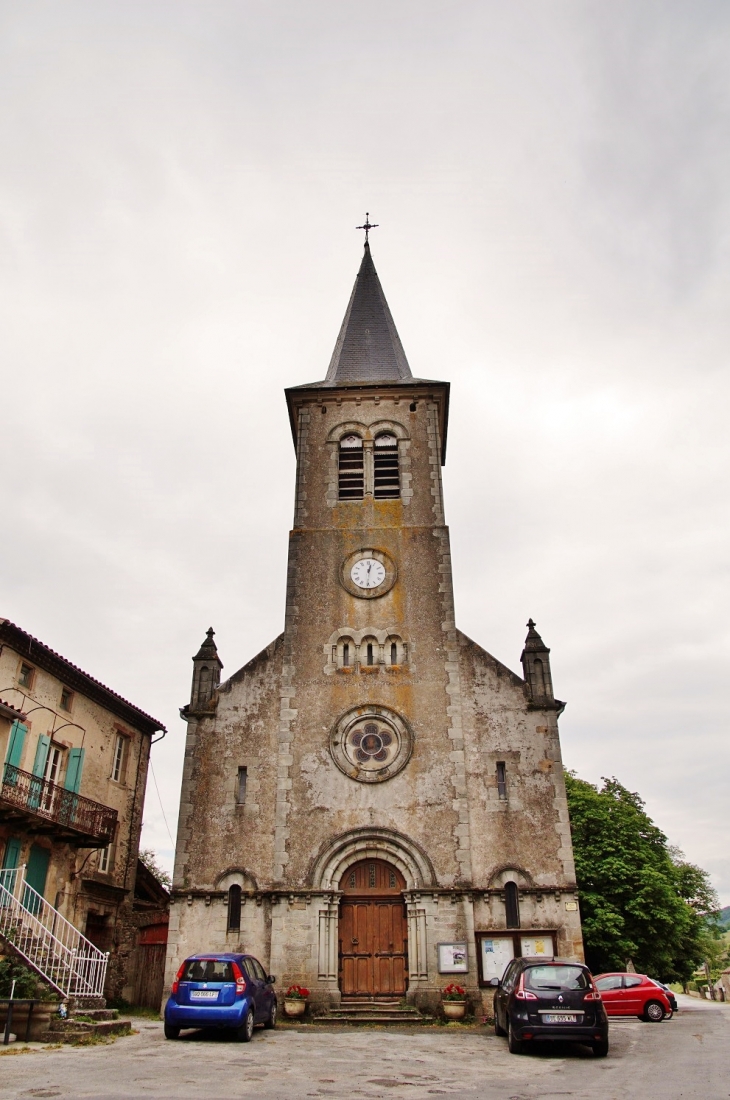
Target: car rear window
207	970
556	977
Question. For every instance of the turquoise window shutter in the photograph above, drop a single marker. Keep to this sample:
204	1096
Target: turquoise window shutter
41	754
12	854
39	766
73	770
15	744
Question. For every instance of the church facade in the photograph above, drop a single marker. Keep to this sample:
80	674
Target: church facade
373	806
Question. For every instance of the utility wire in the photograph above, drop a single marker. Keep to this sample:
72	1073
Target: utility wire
152	769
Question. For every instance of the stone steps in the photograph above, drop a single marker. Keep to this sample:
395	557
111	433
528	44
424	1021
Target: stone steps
68	1031
383	1012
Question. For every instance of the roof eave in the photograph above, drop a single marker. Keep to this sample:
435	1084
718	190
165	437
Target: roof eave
74	677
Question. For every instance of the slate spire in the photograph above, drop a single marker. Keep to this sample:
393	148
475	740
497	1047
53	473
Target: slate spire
368	348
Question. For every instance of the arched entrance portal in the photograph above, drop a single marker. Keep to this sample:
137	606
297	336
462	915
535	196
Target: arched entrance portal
373	948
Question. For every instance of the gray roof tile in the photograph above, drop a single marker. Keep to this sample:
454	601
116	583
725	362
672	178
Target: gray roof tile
368	348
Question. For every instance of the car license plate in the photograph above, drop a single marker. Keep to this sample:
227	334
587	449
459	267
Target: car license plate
559	1018
204	995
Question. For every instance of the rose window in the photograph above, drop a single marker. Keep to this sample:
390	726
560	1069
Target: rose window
371	744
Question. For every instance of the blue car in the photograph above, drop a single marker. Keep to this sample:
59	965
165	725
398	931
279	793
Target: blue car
222	991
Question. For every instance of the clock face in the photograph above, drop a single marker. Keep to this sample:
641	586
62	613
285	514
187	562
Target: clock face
368	573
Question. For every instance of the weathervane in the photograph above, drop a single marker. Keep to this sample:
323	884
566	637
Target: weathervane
367	227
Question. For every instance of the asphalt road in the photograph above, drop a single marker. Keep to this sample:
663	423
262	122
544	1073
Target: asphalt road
686	1057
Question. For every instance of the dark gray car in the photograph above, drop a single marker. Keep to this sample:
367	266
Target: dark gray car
549	1000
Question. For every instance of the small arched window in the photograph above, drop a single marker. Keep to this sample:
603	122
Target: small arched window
205	681
234	908
345	654
386	478
396	652
351	484
369	657
512	904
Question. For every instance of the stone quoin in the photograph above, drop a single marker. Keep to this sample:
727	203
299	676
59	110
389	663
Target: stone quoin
373	802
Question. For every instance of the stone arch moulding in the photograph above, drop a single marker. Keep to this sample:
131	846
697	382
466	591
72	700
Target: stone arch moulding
357	636
366	431
369	843
509	873
236	876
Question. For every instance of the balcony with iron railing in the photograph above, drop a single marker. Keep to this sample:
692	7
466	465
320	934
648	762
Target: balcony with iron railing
44	807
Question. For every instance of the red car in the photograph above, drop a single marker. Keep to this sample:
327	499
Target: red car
633	995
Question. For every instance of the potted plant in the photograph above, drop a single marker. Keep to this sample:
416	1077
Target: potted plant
295	1000
453	998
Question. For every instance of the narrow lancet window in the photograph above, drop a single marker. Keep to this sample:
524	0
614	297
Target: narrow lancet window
234	908
502	779
386	478
241	786
351	469
394	653
512	904
345	654
370	653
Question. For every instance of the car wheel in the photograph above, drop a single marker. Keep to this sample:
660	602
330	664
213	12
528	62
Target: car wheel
245	1031
516	1046
271	1022
600	1049
171	1032
653	1012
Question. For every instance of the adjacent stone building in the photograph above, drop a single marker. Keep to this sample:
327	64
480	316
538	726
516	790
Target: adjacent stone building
373	805
73	784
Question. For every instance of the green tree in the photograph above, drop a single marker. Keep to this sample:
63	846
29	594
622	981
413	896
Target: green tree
148	856
640	899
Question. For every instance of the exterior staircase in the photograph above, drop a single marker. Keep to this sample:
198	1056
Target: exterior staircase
47	942
380	1011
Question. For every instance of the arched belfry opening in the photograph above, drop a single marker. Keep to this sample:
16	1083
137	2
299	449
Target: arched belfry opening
373	931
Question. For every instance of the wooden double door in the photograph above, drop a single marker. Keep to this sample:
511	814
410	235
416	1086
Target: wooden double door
373	931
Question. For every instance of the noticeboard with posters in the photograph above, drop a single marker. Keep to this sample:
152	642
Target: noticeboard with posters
496	949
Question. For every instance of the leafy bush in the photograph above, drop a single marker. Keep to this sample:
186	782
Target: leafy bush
27	985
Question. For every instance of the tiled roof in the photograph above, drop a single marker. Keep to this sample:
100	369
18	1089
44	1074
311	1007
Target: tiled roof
42	655
7	710
368	348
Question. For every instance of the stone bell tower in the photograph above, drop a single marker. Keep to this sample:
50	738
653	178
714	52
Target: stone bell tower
373	805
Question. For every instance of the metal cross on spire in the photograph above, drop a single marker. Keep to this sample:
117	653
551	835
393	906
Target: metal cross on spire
367	227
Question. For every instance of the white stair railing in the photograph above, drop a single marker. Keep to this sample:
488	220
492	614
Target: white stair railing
52	945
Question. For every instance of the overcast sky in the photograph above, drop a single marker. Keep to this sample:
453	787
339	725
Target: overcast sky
179	192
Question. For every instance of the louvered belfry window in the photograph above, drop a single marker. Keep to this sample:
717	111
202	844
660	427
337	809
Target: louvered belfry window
351	471
386	479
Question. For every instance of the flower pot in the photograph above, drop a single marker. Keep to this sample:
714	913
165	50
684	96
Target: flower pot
295	1006
454	1010
40	1019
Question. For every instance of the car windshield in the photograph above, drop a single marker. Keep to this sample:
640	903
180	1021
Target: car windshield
207	970
556	977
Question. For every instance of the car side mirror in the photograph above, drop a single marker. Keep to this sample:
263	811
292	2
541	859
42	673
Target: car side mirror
270	979
495	981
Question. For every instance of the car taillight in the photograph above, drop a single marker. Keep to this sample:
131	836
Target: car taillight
240	980
178	976
594	995
523	994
